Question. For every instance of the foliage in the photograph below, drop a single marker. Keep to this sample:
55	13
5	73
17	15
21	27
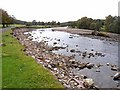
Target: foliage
110	24
5	19
84	23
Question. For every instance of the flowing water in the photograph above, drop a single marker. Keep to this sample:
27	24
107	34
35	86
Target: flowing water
102	76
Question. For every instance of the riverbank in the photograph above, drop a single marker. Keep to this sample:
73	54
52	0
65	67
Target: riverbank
88	33
60	65
21	71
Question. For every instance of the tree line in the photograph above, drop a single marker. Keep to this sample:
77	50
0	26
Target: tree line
109	24
34	22
6	20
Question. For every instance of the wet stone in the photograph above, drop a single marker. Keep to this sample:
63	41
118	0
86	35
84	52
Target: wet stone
72	50
114	69
116	76
90	65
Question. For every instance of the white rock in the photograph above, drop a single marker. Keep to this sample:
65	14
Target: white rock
88	82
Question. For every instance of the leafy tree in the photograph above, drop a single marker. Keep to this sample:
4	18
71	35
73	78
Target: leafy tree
5	19
84	23
34	22
108	21
93	25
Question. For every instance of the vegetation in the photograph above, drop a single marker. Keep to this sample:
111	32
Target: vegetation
5	19
110	24
21	71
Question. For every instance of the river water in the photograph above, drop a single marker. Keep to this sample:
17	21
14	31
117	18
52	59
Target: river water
102	76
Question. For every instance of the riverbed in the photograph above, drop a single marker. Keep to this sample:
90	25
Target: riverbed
103	54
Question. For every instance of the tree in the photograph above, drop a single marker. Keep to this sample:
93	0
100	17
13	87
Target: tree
108	21
5	19
34	22
58	23
84	23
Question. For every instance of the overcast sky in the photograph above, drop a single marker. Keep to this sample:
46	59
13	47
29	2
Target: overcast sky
59	10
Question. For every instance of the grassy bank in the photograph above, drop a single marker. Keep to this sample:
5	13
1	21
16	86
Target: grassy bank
21	71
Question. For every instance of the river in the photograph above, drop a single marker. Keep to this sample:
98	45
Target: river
104	53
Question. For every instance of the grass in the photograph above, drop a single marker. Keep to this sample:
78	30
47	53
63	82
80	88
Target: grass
21	71
0	25
0	60
33	26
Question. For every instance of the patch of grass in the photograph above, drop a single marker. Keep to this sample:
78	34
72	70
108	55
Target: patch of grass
0	25
0	60
17	25
21	71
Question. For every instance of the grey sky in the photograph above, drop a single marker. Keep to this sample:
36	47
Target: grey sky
59	10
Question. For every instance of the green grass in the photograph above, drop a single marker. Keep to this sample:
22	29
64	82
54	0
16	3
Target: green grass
0	60
21	71
17	25
0	25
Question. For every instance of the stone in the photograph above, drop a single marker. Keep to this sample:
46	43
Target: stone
76	45
55	69
58	39
70	37
107	64
114	68
88	83
82	65
98	70
72	50
55	43
83	76
92	49
90	65
116	76
72	61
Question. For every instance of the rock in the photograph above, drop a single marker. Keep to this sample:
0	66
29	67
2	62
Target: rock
90	65
55	69
78	51
72	50
107	64
55	43
92	49
72	61
82	65
49	66
70	37
41	58
76	45
114	68
58	39
98	70
47	61
84	54
91	54
88	83
53	65
116	76
83	76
